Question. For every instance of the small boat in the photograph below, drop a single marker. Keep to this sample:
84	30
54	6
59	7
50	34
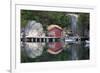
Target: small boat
72	39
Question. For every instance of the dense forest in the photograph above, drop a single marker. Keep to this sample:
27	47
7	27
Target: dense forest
62	19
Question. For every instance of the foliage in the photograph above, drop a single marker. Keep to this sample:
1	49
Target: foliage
83	23
45	17
52	17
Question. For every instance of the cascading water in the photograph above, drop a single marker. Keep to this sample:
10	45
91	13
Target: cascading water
74	19
35	49
33	29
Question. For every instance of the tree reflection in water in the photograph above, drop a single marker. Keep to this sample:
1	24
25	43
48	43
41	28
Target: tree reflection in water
38	52
63	50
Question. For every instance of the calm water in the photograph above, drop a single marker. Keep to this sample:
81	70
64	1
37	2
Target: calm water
54	51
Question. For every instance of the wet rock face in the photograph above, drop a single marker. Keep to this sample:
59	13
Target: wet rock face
74	20
33	29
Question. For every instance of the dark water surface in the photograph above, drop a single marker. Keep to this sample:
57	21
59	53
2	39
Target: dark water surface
54	51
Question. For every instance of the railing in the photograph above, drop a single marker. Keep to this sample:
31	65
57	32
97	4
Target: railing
71	39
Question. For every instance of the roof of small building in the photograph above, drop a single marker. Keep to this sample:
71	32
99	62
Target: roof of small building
54	52
52	26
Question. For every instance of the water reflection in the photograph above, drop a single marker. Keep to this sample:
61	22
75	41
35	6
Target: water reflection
55	47
34	50
52	45
54	51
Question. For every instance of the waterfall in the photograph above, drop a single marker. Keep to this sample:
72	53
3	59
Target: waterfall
74	19
33	29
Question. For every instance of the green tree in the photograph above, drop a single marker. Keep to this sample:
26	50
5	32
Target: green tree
83	23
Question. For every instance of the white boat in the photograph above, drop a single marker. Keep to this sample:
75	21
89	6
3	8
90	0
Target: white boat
72	39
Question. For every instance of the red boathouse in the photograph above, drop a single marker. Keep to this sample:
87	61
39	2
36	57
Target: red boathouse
55	31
